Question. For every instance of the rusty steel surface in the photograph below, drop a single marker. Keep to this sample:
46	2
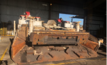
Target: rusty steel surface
92	45
19	41
49	54
53	45
51	38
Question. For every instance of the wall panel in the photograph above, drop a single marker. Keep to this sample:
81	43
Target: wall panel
15	8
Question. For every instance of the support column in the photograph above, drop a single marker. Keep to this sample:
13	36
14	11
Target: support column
30	26
14	27
78	26
50	5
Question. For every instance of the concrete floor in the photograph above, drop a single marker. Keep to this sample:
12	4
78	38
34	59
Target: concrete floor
100	60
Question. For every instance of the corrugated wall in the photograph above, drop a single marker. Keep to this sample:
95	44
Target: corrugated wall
95	23
12	9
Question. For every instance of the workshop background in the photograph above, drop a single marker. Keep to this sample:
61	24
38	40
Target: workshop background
92	11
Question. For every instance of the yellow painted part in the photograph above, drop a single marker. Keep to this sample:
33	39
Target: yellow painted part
0	28
3	31
4	52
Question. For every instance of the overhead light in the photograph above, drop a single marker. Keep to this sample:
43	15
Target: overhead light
51	4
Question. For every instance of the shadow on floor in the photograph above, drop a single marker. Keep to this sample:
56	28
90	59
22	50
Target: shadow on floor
101	54
11	40
4	62
103	48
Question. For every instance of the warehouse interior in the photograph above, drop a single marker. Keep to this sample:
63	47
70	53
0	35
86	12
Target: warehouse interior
93	13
